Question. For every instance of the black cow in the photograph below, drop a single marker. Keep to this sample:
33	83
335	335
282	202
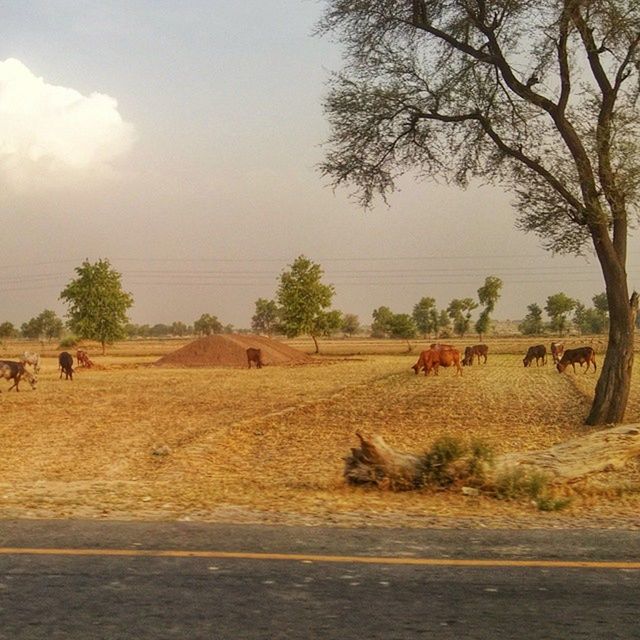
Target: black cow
65	360
579	355
539	352
10	370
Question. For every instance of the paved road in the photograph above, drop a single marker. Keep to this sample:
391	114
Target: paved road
148	588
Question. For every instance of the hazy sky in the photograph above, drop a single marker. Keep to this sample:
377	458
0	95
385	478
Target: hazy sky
180	140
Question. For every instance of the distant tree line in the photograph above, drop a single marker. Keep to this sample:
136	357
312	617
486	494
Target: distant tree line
301	306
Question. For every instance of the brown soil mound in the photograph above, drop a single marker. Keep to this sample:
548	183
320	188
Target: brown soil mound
230	350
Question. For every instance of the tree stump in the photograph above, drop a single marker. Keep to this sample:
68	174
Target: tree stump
376	463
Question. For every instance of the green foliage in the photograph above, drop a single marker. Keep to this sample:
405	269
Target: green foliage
46	325
435	463
558	308
403	326
517	483
179	329
450	460
68	342
303	298
459	310
488	295
532	325
382	324
589	321
7	330
97	305
207	324
425	316
350	324
329	322
265	318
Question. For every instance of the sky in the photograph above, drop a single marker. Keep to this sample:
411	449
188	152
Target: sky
180	141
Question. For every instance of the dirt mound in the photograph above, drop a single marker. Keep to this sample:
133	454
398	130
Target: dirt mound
230	350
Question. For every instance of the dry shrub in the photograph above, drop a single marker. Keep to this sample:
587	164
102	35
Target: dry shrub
451	461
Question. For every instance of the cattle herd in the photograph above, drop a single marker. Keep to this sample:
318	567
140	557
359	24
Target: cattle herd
438	355
446	355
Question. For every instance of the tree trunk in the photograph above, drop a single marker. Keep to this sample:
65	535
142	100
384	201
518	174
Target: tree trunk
376	463
315	341
612	389
104	349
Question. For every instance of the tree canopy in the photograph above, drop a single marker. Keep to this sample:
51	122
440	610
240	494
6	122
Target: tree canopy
97	305
304	300
540	98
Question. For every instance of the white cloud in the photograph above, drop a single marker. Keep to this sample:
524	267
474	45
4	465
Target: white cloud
47	129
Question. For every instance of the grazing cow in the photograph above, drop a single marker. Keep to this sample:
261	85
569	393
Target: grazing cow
31	358
539	352
83	359
557	349
15	371
477	350
254	355
581	355
434	358
65	360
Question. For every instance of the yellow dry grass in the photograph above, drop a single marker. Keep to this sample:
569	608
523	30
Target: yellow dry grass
127	440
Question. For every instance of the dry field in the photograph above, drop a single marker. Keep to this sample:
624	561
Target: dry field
129	440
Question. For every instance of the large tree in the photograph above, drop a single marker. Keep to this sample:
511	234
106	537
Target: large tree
304	299
537	97
97	304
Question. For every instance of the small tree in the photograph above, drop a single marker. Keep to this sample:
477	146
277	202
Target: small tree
444	322
97	305
329	322
460	312
45	325
488	295
265	319
403	326
207	324
558	308
303	299
350	324
532	324
382	322
425	316
178	328
8	330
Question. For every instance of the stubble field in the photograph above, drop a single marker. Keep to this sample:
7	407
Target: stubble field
129	440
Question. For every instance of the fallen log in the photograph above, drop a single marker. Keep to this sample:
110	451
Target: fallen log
606	450
376	463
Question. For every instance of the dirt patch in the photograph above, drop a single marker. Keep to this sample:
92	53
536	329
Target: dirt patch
230	350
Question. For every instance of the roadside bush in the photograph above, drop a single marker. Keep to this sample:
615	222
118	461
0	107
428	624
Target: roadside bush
516	484
450	461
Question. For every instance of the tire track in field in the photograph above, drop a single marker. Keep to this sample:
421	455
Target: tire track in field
199	450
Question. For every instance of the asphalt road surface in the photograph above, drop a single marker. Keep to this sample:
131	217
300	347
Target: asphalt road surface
89	580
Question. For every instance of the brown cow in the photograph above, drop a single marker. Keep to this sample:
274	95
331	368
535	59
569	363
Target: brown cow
539	352
83	359
557	349
434	358
477	350
254	355
581	355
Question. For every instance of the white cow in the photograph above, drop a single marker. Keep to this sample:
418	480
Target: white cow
31	358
